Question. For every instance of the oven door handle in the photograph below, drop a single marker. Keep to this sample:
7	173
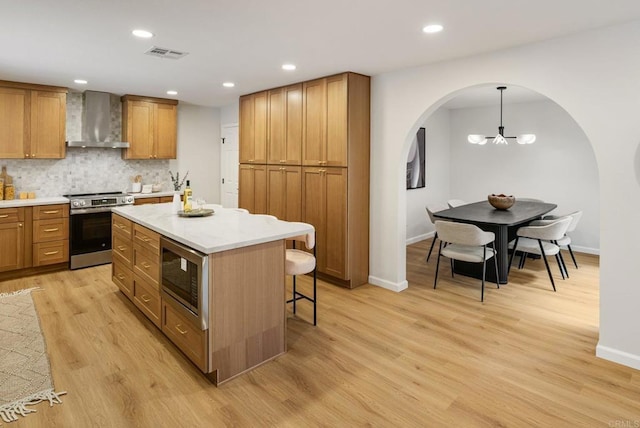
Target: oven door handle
89	210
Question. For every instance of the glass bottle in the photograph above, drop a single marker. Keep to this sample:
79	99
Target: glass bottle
187	197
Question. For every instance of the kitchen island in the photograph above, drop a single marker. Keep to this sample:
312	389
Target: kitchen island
244	298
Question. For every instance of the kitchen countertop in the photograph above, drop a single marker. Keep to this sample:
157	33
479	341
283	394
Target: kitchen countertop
226	229
32	202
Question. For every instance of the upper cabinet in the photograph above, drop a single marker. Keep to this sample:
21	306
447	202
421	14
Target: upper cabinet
32	121
284	145
253	128
150	127
325	119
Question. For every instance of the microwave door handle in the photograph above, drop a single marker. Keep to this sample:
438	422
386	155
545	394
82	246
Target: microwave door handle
204	295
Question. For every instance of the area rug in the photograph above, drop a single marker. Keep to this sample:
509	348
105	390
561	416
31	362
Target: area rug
25	375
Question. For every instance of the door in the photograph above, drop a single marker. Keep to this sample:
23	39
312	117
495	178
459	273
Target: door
138	129
230	159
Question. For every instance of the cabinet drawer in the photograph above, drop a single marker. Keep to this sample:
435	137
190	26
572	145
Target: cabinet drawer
143	201
123	250
147	298
147	238
190	339
45	212
122	277
122	226
50	230
11	215
146	263
48	253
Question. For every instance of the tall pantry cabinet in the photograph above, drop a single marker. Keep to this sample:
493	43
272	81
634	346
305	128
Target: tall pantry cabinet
316	146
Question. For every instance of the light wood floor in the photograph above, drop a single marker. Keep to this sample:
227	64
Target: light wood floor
423	357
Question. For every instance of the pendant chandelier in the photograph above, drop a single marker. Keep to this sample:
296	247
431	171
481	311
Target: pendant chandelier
500	138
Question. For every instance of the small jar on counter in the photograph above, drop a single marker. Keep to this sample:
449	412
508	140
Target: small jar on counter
9	192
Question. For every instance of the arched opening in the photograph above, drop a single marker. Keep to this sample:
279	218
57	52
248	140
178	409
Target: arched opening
560	167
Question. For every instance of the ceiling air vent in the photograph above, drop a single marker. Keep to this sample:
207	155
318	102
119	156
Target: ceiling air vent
165	53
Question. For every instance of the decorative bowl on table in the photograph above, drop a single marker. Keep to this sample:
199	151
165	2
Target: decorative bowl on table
501	202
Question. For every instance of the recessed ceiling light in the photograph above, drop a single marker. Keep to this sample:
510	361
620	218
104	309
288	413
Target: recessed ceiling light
142	33
81	81
432	28
172	92
288	67
228	84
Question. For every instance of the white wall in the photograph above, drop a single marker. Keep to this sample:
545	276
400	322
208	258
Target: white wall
437	130
560	167
594	77
199	150
230	114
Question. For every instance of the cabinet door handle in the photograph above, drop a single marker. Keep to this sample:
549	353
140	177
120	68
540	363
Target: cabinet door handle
55	229
4	215
51	253
179	330
51	212
145	299
145	265
26	155
121	248
120	277
145	239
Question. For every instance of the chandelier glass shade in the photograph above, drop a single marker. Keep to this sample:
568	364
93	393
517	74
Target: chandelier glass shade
500	138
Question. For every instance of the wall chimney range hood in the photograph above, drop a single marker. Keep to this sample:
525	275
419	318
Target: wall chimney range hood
96	122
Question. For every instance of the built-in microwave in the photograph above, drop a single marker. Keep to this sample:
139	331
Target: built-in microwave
185	280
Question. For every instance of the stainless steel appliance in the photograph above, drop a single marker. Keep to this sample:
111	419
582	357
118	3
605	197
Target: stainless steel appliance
184	273
90	227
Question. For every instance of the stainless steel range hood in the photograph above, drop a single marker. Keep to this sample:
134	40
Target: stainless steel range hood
96	122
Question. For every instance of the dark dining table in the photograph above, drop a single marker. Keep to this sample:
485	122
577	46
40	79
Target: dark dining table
504	223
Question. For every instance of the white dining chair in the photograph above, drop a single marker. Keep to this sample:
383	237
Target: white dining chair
300	262
434	208
539	239
456	203
468	243
565	241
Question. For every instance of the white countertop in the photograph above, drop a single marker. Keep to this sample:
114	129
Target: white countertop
32	202
226	229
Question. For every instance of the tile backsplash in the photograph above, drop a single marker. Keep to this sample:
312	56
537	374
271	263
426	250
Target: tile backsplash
85	170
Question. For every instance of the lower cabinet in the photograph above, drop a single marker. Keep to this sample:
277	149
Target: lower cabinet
190	339
252	182
33	236
12	239
146	297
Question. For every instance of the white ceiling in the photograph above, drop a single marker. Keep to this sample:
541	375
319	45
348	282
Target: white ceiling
246	41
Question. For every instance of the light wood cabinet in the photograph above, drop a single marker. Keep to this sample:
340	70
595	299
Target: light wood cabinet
252	194
153	200
284	145
12	239
50	232
181	331
324	205
284	194
253	128
32	121
122	254
326	122
150	127
136	265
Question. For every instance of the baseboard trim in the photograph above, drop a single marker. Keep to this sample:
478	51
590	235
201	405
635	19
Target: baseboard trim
587	250
617	356
419	238
393	286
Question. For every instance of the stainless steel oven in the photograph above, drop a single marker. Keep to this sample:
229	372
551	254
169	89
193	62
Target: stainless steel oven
90	227
184	275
